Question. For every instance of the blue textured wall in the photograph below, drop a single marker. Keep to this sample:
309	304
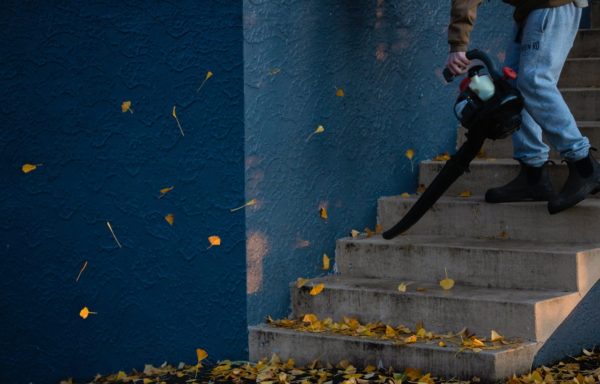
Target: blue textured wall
66	67
387	56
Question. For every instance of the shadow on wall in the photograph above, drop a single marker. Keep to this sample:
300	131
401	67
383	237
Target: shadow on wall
580	329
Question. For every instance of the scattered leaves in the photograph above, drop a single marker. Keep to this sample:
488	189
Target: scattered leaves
85	312
209	74
316	289
113	234
325	262
320	129
443	157
214	241
170	218
446	283
81	271
126	107
248	204
164	191
26	168
174	114
323	213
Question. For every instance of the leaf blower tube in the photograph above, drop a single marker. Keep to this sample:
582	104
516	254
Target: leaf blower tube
489	107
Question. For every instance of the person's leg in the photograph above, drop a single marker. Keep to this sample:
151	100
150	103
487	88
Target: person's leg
547	38
533	182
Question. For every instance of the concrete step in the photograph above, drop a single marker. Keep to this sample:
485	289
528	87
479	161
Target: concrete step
582	72
305	347
474	218
531	315
584	103
488	173
587	43
503	148
511	264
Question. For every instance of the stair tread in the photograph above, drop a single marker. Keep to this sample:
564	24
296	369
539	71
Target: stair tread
473	243
479	200
421	345
458	292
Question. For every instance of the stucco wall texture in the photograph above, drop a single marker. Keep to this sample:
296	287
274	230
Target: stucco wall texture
66	68
387	56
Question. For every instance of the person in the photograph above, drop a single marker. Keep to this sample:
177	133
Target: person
543	34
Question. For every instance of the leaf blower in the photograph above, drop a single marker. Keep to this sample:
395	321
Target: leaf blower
489	107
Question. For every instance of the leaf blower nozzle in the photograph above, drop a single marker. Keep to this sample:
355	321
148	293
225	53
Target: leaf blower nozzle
489	107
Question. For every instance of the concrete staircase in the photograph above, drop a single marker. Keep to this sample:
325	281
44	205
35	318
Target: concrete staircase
518	270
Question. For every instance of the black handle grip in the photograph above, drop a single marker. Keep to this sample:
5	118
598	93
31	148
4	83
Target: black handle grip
476	54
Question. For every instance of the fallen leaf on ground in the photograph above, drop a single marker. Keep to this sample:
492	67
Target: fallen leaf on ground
26	168
85	312
325	261
446	283
126	107
320	129
323	213
248	204
339	92
354	233
170	218
317	289
174	114
214	241
465	194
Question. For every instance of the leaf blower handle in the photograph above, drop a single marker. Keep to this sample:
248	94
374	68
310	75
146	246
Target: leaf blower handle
476	54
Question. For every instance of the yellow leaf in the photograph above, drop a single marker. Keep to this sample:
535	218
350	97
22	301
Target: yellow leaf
465	194
339	92
166	190
496	336
446	283
354	233
214	241
441	344
323	213
201	354
26	168
410	153
421	332
405	195
126	107
174	114
325	262
412	373
476	342
301	282
443	157
389	331
318	130
402	287
317	289
209	74
378	229
85	312
309	318
121	375
248	204
411	339
170	218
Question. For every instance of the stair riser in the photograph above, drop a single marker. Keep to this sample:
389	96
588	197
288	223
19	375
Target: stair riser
587	43
584	104
595	14
483	267
306	347
441	313
477	219
581	73
483	176
503	149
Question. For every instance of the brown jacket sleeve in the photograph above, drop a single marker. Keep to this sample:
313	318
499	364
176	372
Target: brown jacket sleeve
463	16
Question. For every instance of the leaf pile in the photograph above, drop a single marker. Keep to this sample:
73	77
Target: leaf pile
401	335
584	369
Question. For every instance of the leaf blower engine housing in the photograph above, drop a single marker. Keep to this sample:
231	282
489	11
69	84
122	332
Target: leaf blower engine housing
488	104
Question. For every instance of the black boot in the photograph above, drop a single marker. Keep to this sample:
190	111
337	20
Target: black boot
531	184
584	178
